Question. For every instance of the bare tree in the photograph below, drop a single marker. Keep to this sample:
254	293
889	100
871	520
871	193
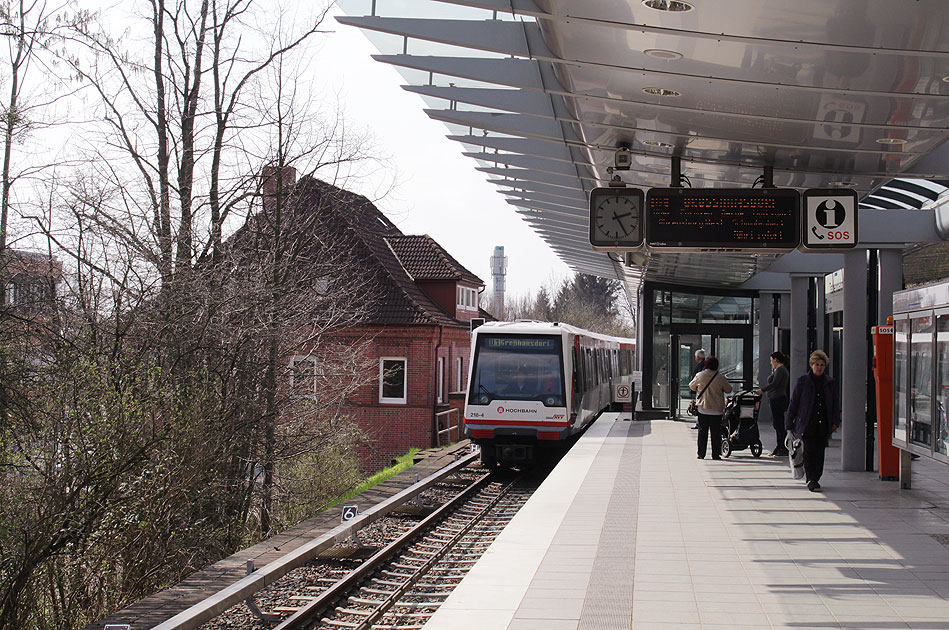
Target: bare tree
140	405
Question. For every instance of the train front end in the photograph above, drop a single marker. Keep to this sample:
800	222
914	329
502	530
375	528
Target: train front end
517	403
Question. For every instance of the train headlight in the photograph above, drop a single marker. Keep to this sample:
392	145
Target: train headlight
552	401
483	400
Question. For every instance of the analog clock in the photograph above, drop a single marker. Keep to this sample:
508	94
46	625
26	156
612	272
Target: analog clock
616	218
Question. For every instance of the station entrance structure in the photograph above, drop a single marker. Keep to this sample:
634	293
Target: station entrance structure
838	95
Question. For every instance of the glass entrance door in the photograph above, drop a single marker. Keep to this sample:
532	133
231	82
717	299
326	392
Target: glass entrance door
730	352
683	369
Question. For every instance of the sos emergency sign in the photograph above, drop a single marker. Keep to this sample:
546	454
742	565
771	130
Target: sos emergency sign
830	218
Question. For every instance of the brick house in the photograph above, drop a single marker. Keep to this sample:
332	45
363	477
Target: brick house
414	331
31	282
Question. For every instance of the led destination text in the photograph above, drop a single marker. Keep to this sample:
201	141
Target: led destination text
719	218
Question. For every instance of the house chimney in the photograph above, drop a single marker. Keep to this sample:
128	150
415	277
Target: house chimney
269	184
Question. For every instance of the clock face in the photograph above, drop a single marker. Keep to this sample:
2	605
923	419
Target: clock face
615	218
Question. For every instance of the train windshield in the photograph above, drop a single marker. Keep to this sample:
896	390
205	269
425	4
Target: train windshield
521	367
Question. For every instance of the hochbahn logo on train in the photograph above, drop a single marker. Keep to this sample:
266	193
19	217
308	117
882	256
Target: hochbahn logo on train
830	219
516	410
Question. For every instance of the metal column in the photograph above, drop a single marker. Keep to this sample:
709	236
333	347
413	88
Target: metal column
891	280
765	347
798	309
855	357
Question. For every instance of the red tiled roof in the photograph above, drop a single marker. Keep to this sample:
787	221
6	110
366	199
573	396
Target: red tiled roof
424	259
325	214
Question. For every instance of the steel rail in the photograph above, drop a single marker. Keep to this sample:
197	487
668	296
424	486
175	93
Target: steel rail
423	570
304	616
208	608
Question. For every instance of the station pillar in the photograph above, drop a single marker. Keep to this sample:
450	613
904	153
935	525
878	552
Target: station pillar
891	280
853	390
798	365
765	347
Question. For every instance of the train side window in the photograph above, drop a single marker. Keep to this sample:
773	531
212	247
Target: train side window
586	368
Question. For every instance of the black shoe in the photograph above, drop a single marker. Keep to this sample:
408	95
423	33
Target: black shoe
713	457
813	486
701	456
779	452
817	485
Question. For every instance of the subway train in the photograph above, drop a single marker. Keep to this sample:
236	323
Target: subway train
532	386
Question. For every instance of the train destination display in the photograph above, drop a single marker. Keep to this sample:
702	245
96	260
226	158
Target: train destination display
723	219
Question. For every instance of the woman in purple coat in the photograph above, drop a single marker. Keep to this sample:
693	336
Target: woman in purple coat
814	414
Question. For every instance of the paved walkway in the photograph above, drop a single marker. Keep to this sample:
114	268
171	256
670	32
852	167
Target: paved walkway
632	531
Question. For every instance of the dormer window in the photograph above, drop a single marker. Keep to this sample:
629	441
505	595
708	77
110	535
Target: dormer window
467	299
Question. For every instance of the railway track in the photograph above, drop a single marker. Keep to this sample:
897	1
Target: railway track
403	585
422	542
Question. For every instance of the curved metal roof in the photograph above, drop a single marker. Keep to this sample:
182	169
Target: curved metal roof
845	93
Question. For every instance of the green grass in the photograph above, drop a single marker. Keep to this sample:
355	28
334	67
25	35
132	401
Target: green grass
403	462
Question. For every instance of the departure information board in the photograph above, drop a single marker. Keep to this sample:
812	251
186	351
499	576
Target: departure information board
723	219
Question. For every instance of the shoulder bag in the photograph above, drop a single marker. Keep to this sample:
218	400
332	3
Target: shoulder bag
693	409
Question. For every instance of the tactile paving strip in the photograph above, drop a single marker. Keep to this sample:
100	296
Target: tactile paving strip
609	600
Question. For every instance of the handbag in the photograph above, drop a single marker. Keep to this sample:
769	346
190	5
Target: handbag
693	409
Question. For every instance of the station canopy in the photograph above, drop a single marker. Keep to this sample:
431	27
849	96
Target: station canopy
848	94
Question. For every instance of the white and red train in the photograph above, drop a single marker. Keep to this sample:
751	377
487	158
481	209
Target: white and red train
533	386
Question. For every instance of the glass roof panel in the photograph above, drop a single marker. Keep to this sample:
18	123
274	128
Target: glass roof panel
386	43
413	9
425	47
431	10
446	80
413	76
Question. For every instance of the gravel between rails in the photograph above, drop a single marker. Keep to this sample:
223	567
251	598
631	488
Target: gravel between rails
323	571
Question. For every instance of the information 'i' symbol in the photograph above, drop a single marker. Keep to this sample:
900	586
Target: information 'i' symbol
831	213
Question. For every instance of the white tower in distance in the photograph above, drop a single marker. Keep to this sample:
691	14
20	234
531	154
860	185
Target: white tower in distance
498	264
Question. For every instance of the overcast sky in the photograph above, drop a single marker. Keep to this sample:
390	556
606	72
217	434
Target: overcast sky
438	190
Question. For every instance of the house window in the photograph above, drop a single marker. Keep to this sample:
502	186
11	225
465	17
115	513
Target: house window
467	298
460	373
303	376
392	380
440	380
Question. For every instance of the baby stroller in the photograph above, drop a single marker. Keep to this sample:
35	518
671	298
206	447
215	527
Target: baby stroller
740	424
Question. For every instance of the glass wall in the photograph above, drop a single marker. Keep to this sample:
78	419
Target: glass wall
689	318
942	384
920	380
661	351
900	352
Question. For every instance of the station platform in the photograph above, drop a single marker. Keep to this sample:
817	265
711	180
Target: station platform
632	531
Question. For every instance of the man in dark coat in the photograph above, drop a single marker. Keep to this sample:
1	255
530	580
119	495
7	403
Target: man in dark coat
813	415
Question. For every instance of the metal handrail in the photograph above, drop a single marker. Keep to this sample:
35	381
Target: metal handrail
439	432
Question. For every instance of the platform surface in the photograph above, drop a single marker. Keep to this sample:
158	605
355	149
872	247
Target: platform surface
632	531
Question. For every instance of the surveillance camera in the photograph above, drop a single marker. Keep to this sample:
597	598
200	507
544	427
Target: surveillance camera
622	159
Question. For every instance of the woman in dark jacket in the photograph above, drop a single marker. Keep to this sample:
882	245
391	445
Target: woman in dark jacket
777	390
814	414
